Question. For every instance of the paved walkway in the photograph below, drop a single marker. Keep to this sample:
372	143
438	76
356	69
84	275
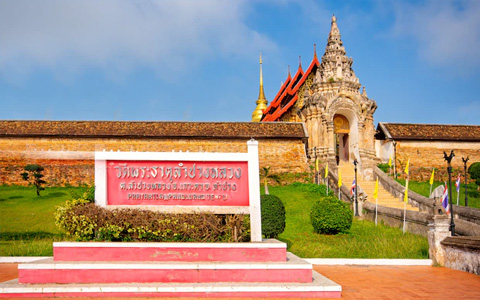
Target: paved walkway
375	282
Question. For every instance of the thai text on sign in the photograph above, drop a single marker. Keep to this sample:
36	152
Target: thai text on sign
177	183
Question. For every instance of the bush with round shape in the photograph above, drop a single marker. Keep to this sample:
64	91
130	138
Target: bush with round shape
331	216
474	171
273	216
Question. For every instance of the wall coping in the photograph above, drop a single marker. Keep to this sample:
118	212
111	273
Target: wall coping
464	242
153	129
413	198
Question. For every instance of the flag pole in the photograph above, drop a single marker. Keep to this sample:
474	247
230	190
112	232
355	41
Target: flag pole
326	176
375	195
339	183
326	183
405	198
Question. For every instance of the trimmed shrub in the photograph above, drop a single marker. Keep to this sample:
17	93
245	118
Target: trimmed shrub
384	167
86	221
273	216
330	216
474	171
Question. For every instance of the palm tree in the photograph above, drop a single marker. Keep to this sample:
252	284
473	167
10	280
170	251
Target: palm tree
266	174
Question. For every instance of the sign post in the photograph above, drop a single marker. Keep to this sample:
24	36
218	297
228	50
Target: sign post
182	182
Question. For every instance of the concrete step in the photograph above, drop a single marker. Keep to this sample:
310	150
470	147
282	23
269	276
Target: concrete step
294	269
319	287
368	187
267	250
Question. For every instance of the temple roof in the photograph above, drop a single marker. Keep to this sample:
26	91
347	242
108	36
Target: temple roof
433	132
288	92
334	66
137	129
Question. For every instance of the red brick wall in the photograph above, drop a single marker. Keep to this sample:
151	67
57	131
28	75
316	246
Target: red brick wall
426	155
71	161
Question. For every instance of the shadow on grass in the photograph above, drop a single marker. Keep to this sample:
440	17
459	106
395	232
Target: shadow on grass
286	241
56	194
15	236
15	197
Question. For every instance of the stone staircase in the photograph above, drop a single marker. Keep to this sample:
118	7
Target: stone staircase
368	186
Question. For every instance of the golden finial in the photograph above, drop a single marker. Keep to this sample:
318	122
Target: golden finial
261	101
289	71
261	94
314	50
299	62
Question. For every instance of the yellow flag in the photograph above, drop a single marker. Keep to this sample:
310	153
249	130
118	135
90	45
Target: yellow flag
339	179
375	191
406	192
406	168
432	177
390	161
326	170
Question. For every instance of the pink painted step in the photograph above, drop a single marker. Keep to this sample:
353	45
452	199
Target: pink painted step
48	271
269	250
319	287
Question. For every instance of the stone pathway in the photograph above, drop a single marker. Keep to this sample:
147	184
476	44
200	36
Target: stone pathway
368	186
373	282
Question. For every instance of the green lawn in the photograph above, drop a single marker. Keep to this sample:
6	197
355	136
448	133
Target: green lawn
423	188
27	227
27	223
365	240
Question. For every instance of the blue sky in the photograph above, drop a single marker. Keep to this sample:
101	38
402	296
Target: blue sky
198	60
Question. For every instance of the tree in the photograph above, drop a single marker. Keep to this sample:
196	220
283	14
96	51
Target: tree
34	172
474	171
266	175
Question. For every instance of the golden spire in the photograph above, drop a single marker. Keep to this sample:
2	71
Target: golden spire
261	101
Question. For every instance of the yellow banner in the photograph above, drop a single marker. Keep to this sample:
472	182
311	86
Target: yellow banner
326	170
375	191
432	177
339	178
406	192
406	168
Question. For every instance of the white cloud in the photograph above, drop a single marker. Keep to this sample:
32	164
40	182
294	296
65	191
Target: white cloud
117	36
447	32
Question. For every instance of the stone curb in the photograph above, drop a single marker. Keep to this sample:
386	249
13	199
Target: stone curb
314	261
21	259
371	262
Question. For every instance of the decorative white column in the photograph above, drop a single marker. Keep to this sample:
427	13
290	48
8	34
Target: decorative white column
254	192
438	230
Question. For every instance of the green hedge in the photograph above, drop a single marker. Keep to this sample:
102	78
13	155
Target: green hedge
331	216
273	216
474	171
88	222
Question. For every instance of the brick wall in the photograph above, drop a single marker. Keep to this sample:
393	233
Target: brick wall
425	155
71	160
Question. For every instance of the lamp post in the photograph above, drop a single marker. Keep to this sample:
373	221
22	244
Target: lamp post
355	162
449	158
395	159
316	164
465	175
